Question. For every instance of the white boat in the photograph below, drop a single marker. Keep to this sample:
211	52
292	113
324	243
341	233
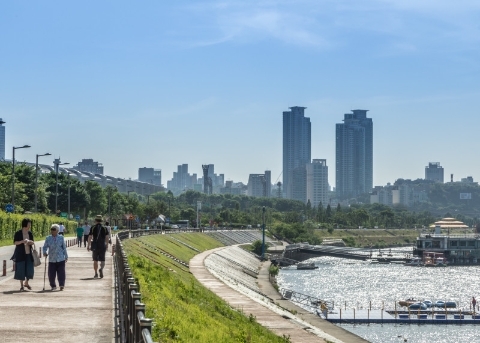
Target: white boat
414	262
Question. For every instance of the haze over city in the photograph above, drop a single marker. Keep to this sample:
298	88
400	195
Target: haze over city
160	84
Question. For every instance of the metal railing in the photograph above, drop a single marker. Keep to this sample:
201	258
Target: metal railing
135	327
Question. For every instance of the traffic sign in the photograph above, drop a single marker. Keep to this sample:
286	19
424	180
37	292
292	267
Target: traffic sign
131	217
77	217
9	208
63	214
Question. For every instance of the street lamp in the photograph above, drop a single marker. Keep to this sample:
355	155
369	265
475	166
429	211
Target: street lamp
263	233
36	178
13	171
57	163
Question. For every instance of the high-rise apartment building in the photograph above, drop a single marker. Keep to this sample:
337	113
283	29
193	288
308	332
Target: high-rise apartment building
89	166
434	172
150	175
317	182
354	155
2	140
297	139
260	185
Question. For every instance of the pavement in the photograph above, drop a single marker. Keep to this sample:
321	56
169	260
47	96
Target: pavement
277	323
82	312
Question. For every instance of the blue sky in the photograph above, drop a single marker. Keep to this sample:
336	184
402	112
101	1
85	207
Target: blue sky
158	84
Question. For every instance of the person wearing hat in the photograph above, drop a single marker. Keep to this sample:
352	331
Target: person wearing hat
56	250
98	243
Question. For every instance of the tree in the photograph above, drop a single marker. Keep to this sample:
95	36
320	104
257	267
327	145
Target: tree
98	199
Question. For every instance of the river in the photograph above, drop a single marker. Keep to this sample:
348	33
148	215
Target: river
357	284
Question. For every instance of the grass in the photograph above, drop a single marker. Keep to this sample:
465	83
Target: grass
181	308
376	238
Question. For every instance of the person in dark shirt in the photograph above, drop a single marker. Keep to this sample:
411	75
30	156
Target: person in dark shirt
98	244
23	241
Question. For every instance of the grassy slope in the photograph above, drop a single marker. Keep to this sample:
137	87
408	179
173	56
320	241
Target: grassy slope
182	309
373	237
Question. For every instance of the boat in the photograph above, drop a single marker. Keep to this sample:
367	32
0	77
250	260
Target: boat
445	304
434	259
306	266
414	262
408	302
418	306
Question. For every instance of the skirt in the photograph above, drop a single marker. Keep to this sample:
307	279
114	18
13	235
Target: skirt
24	269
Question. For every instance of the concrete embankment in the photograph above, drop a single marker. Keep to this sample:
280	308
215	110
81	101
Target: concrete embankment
232	281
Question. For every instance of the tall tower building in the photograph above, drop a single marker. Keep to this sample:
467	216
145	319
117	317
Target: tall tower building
354	155
317	182
297	139
2	140
434	172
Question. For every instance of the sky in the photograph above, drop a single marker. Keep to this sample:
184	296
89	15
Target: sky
163	83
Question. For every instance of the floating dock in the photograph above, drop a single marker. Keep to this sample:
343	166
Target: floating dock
348	316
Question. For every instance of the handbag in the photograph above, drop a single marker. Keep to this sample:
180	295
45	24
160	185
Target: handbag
36	258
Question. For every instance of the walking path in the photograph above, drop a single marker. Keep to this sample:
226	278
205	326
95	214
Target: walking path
83	312
277	323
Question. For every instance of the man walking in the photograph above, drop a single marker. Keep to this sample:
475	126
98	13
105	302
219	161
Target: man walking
79	235
86	232
61	229
56	251
98	243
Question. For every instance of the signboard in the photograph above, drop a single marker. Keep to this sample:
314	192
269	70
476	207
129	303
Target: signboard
167	220
9	208
63	214
77	217
199	205
465	196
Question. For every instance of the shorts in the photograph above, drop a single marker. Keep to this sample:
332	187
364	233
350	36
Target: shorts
98	255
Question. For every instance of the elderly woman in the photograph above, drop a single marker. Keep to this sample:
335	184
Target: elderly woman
56	250
23	240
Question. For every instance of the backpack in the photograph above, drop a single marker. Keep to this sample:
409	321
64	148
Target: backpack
96	244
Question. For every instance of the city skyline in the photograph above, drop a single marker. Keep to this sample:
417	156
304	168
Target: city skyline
160	84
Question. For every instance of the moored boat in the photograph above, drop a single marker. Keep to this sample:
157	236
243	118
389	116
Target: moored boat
306	266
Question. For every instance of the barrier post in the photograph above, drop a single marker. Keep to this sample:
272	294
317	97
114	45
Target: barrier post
340	315
354	315
40	252
4	268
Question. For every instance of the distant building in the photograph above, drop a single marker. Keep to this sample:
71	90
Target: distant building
231	188
317	182
354	155
297	140
387	195
434	172
150	175
181	180
88	165
2	140
260	185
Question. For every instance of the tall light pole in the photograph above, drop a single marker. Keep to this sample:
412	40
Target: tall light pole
263	233
36	179
57	163
13	171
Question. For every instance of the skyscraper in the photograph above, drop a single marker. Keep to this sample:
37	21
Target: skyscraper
434	172
297	139
2	140
354	155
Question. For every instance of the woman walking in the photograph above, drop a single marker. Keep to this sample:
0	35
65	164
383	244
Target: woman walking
23	241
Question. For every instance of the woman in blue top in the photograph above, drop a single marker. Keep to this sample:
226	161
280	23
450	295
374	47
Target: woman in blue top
23	241
56	250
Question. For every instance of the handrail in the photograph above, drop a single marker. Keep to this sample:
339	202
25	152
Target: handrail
135	327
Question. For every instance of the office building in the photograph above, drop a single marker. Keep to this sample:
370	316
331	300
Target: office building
150	175
296	152
2	140
317	182
260	185
89	166
434	172
354	155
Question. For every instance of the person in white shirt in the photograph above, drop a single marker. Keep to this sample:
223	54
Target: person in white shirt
86	232
109	228
61	229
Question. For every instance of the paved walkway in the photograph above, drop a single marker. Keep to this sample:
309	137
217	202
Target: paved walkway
273	321
83	312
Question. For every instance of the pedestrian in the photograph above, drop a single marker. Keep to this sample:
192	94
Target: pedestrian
56	250
109	229
61	229
474	303
98	243
23	240
79	235
86	232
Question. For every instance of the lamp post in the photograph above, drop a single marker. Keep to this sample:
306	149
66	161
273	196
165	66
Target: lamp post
57	163
13	171
263	233
36	179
